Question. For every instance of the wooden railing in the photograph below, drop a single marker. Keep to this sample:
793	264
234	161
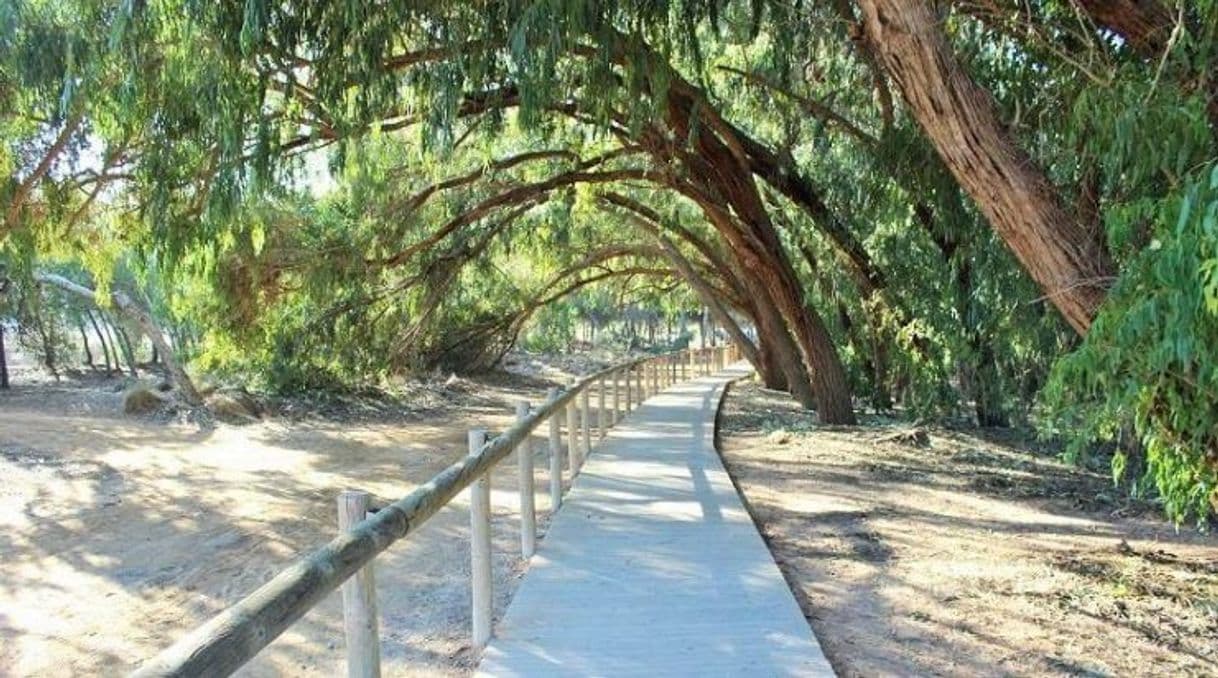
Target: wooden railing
234	636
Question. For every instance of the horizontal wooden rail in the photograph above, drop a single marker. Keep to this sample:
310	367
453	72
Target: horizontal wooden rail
234	636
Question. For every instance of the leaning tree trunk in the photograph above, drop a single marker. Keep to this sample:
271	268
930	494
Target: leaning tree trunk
144	321
84	342
3	361
1013	193
104	344
757	245
121	338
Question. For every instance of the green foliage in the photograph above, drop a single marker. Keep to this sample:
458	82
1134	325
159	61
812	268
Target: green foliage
1149	357
325	195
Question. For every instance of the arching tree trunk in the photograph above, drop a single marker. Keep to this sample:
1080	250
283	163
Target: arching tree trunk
762	255
143	320
1013	193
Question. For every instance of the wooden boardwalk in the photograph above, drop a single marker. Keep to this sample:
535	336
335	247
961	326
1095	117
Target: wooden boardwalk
653	567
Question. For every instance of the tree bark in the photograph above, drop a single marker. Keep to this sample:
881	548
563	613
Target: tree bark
144	321
104	344
48	344
761	253
1145	25
120	336
3	360
1013	193
84	342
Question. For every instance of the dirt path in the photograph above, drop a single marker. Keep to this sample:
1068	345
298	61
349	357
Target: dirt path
117	534
970	556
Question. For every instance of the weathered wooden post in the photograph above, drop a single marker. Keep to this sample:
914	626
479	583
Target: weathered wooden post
359	597
629	388
480	547
585	421
616	400
555	456
528	512
573	436
601	417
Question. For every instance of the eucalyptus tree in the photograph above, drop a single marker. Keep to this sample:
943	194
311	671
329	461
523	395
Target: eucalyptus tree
839	204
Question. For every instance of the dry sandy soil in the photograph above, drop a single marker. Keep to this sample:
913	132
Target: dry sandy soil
118	534
969	556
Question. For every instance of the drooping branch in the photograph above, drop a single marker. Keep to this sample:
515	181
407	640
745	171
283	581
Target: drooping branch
534	192
810	106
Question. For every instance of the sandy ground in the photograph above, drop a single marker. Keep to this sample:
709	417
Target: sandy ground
118	534
972	556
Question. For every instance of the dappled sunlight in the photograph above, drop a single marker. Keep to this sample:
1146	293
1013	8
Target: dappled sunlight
963	557
655	557
119	535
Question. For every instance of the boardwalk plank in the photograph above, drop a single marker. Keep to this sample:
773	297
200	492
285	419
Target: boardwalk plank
653	566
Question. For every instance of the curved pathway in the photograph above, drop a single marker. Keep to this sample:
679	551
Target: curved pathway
653	566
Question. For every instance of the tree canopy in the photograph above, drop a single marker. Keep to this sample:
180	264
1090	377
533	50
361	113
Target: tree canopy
998	210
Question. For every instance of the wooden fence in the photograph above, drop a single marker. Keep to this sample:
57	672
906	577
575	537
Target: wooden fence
234	636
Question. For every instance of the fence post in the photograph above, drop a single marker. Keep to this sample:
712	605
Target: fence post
573	459
359	597
528	512
629	388
585	421
616	400
480	547
600	407
555	457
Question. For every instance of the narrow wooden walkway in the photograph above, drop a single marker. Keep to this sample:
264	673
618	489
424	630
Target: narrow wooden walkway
653	567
